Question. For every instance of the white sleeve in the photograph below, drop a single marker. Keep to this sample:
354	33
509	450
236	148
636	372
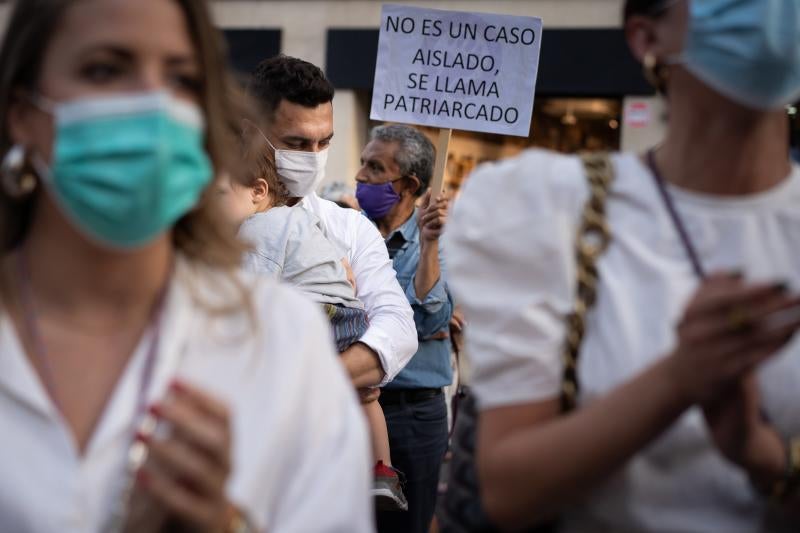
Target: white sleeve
392	333
327	490
510	258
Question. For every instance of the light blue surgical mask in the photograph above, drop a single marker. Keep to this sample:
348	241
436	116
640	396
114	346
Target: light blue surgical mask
126	168
747	50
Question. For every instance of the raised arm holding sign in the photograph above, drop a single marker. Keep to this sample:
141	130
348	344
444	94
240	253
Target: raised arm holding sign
450	70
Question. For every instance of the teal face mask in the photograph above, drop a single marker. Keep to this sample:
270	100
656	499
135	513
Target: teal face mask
126	168
747	50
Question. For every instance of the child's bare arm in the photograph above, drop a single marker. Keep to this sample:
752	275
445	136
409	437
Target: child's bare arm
350	276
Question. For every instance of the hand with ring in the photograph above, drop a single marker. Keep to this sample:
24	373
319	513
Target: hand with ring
738	318
187	470
726	332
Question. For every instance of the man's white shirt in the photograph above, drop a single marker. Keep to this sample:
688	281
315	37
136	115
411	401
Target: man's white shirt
392	333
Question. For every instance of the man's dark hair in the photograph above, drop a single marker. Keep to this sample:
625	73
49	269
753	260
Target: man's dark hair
415	153
288	78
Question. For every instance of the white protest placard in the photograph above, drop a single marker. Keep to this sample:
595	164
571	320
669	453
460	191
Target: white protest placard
456	70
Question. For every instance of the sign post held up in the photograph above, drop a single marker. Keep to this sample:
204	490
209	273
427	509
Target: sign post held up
442	147
456	70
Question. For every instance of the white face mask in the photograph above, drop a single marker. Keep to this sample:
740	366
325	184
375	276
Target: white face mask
300	172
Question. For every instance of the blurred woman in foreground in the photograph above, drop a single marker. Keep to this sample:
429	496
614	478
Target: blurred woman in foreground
687	376
144	382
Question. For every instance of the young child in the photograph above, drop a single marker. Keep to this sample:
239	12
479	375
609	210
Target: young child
289	242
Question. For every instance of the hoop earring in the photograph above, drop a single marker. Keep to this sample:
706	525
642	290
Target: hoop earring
16	177
654	73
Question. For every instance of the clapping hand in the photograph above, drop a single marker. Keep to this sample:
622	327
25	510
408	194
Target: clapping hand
743	435
727	332
187	470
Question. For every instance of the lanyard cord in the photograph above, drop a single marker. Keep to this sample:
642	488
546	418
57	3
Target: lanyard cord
666	197
41	354
141	421
691	251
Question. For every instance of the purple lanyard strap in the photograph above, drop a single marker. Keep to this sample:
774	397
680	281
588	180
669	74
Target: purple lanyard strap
666	197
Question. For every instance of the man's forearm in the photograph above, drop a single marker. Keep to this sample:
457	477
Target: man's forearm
428	270
363	365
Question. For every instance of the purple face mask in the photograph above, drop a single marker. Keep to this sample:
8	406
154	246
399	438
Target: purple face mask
376	200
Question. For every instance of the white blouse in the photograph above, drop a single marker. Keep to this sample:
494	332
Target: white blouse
511	259
301	460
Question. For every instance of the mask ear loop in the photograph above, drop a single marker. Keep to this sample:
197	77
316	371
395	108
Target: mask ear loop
409	176
249	123
419	188
42	103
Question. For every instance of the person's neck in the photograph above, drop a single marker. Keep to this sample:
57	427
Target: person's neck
73	277
263	206
396	218
725	152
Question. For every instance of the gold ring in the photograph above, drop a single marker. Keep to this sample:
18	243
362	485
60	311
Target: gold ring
738	318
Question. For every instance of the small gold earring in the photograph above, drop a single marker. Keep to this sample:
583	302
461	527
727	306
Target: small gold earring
15	175
655	73
650	64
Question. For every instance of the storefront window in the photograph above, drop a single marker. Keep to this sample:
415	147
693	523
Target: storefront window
567	125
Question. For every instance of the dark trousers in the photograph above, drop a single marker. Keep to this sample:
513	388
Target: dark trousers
418	437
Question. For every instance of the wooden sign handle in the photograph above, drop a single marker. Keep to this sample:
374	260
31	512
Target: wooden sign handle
442	147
